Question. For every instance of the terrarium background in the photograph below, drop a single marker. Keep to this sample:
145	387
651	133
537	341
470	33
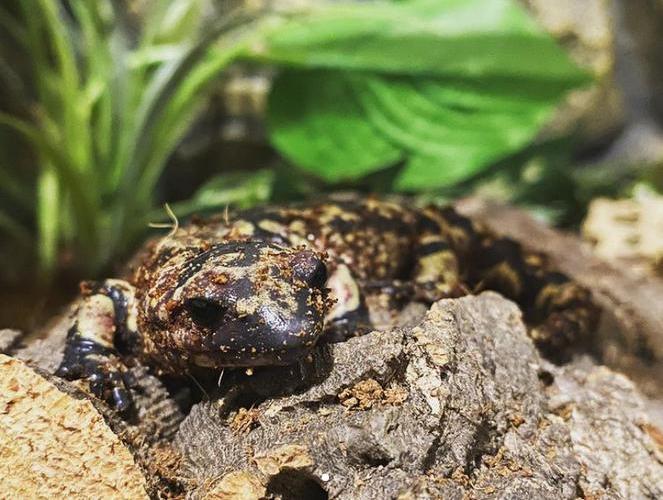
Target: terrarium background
604	140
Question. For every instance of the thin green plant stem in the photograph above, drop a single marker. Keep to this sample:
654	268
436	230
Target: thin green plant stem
48	219
82	199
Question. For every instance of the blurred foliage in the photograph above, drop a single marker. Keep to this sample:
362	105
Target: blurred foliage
445	86
239	189
417	95
105	107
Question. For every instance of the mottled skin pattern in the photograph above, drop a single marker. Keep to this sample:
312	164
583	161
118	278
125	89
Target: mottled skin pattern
262	287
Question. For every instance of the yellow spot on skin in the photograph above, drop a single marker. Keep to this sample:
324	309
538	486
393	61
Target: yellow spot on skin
296	239
272	226
245	228
504	276
345	290
299	227
440	268
95	319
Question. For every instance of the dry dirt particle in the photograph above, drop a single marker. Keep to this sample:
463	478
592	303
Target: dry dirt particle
245	420
54	446
367	393
362	395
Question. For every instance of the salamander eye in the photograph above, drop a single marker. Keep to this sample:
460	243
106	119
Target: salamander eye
205	312
310	269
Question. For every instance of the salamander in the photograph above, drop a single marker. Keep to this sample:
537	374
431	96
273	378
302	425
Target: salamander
264	286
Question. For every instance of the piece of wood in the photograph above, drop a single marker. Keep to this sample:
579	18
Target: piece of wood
53	445
460	405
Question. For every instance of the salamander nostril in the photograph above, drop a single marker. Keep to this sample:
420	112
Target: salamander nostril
309	268
205	312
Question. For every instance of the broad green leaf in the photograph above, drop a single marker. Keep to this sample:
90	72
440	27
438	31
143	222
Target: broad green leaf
449	131
454	38
317	122
448	86
344	126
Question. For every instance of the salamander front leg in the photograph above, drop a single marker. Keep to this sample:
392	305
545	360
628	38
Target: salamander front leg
104	320
347	316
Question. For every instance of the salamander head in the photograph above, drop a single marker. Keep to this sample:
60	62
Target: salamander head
242	303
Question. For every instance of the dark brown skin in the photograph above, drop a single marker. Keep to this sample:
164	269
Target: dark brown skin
262	287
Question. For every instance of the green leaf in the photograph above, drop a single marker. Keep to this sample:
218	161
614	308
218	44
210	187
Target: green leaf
447	86
57	159
180	20
453	38
113	97
450	131
48	193
345	126
317	122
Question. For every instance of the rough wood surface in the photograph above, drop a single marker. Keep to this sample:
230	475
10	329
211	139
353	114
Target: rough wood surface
55	446
158	413
631	334
459	406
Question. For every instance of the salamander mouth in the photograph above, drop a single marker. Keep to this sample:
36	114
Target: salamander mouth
263	340
281	343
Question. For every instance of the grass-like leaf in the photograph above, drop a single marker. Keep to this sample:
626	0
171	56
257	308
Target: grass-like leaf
110	105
